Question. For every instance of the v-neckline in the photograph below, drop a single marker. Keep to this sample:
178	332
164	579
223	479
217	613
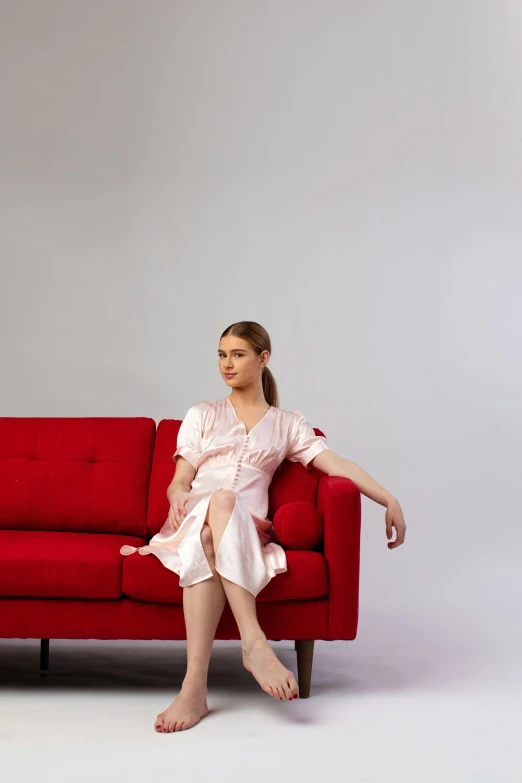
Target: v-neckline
242	422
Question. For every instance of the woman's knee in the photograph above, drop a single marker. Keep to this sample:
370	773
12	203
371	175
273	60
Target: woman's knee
223	500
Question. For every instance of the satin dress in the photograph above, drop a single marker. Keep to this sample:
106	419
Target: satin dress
214	440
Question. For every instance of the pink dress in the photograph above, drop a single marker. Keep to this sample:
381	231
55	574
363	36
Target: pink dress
214	440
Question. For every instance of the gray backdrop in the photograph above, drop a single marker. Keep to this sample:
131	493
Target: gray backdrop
349	174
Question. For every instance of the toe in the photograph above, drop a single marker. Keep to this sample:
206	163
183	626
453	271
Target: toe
292	688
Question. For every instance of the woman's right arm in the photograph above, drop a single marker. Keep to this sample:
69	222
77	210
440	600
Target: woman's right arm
183	477
187	456
182	482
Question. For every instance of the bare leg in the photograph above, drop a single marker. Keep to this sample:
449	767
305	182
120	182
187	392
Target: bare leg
258	656
203	605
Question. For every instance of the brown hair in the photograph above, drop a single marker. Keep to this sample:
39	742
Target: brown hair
259	339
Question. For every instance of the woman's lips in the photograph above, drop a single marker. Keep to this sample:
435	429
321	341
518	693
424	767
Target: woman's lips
230	374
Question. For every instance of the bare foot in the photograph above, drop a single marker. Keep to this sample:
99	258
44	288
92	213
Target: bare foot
273	677
185	711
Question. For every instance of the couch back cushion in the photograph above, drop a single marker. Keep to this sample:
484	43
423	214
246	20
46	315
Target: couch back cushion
84	474
290	482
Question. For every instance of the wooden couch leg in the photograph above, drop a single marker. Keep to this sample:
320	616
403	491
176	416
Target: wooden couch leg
305	656
44	657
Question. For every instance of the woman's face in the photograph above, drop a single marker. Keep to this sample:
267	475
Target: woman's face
238	358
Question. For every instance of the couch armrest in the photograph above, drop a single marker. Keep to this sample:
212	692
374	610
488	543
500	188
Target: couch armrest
340	501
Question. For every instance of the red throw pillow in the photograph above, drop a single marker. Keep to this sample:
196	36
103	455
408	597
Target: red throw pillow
298	525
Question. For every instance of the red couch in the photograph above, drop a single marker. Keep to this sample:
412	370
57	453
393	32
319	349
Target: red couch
74	490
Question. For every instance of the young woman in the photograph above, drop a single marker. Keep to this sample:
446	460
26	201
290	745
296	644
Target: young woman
217	536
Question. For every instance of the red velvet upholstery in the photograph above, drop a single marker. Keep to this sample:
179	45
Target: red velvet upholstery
74	490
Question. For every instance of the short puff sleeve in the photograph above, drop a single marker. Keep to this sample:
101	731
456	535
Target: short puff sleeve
304	443
190	435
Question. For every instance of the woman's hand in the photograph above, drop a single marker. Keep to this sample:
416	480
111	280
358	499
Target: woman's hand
395	518
177	510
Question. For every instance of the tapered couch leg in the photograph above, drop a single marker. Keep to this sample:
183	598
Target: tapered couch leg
305	656
44	657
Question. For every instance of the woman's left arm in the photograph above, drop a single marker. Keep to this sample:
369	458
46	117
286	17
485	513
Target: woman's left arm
334	465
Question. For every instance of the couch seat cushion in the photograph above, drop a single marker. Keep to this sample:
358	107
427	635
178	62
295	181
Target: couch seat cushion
50	564
145	578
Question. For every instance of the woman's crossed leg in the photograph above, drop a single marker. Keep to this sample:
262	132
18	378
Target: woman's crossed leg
203	605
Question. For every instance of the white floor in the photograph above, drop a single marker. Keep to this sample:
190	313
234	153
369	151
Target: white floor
414	698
